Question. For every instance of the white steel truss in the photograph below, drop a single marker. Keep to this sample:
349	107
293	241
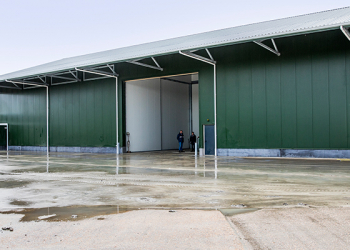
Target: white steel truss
100	71
70	76
275	50
26	83
345	32
68	79
190	54
136	62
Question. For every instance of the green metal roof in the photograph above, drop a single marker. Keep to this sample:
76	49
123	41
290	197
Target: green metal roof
315	22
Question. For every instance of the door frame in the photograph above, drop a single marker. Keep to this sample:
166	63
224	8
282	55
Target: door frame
190	123
6	125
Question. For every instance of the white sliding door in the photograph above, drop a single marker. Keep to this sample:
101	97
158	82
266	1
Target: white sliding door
175	113
143	114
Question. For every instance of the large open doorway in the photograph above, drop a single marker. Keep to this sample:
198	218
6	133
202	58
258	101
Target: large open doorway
158	108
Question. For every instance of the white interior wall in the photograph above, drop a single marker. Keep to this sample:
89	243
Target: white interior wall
143	117
156	110
175	113
195	109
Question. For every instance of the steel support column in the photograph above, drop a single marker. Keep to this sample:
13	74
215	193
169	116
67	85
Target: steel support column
116	115
47	121
212	62
190	104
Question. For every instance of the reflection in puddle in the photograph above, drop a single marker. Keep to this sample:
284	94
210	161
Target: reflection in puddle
74	213
20	203
13	183
117	168
168	179
204	168
47	163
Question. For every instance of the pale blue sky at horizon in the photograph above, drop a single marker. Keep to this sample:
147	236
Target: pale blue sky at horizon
34	32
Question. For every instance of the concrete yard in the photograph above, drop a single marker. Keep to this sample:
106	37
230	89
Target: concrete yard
124	202
145	229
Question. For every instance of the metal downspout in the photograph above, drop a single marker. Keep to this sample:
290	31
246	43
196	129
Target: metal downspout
190	104
116	115
7	138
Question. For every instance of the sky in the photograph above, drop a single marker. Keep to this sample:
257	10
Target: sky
33	32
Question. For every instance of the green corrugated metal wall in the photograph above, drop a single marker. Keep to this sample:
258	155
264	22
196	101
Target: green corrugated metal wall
297	100
26	114
83	114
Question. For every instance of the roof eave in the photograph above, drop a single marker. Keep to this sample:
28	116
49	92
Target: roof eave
216	45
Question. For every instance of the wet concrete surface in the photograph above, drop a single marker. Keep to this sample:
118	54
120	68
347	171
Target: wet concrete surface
168	180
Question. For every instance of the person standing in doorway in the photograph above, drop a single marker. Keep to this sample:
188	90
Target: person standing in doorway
192	141
180	139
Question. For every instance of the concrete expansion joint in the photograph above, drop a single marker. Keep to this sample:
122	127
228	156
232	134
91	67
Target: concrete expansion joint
245	243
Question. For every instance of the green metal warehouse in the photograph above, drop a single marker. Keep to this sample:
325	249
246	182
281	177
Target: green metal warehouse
275	88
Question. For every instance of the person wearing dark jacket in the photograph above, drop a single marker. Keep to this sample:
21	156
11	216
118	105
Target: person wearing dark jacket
192	141
180	139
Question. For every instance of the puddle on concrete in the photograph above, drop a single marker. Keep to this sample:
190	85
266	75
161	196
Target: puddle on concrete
75	213
67	213
20	203
13	184
112	170
168	180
